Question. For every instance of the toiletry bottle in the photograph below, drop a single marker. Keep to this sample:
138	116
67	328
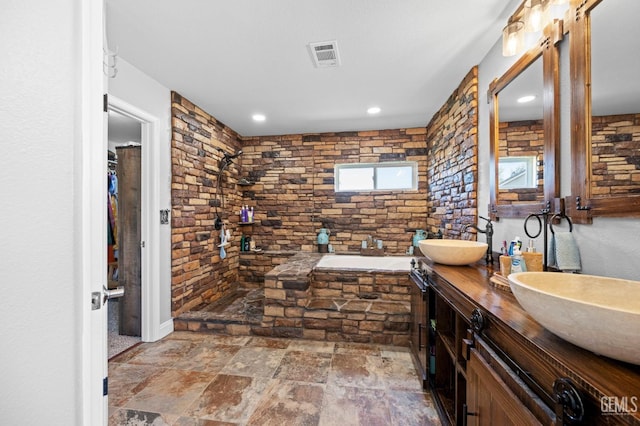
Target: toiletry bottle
250	215
242	243
531	248
517	262
518	243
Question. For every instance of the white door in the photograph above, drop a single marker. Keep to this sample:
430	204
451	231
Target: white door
92	221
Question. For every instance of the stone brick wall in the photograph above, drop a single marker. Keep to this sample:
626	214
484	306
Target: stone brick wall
294	192
519	139
615	155
452	160
198	274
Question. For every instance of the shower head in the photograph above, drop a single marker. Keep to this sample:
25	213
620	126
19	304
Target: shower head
232	156
227	158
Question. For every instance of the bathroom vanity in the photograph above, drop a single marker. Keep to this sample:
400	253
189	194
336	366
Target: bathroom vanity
487	362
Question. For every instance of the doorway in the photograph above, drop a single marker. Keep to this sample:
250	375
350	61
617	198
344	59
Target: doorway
123	237
150	327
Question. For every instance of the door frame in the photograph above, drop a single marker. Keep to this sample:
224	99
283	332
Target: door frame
150	228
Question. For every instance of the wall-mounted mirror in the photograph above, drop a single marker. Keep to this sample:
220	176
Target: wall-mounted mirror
606	109
524	132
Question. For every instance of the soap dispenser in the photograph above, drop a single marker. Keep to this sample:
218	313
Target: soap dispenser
517	261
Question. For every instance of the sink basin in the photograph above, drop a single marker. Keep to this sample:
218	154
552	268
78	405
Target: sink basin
453	252
599	314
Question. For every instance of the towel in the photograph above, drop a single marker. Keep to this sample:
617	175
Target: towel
563	252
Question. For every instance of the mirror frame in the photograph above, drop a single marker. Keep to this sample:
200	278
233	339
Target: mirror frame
581	206
547	49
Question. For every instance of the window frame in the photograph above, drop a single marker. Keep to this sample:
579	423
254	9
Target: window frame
531	170
375	166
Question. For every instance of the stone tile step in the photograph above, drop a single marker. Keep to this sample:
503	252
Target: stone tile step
359	305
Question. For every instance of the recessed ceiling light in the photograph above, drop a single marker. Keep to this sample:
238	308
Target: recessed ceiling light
373	110
258	117
526	99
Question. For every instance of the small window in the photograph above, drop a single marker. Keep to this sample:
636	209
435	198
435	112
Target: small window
376	176
517	172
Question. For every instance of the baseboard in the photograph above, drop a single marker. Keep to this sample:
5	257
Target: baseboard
166	328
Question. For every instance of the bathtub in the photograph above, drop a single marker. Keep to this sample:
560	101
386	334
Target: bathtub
365	263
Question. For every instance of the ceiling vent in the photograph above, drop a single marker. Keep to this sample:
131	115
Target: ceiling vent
325	54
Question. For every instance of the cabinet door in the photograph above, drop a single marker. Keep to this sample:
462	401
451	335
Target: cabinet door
419	330
489	401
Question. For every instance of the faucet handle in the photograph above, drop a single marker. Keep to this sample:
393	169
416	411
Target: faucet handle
488	220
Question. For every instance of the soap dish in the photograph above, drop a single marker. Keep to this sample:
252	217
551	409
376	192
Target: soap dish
500	282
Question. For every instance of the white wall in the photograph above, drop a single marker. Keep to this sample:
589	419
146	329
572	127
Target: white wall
608	246
40	360
138	89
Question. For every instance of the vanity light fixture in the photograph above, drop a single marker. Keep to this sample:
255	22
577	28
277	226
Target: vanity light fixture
259	117
536	15
513	38
525	99
373	110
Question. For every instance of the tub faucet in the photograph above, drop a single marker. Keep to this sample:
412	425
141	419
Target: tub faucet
488	231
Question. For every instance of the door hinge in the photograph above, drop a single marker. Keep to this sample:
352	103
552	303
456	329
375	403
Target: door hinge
105	102
105	386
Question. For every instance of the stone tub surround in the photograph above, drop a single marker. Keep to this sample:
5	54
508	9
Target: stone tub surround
332	305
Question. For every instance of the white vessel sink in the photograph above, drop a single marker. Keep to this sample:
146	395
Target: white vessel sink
599	314
453	252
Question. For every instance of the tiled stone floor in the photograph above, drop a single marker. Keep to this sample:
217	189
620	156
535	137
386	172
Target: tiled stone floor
213	380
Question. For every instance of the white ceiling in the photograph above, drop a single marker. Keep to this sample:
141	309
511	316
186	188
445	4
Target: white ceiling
234	58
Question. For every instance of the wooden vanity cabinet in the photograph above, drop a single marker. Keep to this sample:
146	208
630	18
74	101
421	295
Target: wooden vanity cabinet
495	365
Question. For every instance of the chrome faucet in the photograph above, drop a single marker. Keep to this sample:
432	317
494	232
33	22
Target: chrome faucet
488	231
